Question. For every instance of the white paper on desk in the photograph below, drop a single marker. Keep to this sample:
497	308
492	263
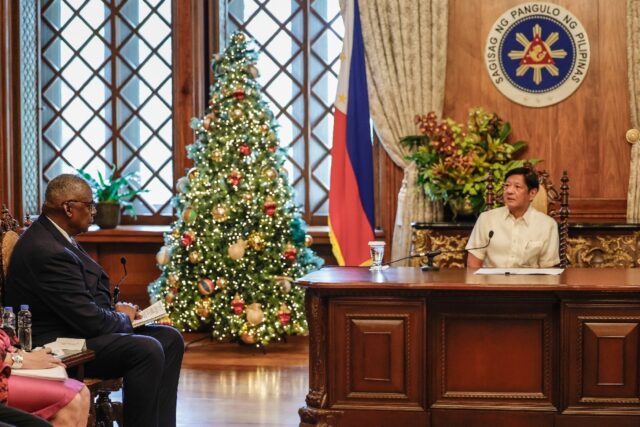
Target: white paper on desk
59	345
521	271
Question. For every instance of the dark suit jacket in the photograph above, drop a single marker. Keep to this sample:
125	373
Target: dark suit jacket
67	292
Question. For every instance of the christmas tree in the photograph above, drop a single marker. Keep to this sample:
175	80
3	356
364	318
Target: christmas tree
239	241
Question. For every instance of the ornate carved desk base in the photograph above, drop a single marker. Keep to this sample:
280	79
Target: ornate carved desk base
310	417
454	349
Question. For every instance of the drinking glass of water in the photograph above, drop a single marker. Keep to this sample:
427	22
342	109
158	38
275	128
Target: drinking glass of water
376	249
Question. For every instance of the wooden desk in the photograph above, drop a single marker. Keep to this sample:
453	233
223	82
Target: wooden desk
77	360
450	348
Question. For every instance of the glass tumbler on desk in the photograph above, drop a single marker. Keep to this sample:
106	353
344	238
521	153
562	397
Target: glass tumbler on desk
376	249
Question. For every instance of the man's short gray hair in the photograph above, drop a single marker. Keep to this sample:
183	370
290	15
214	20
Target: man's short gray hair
60	187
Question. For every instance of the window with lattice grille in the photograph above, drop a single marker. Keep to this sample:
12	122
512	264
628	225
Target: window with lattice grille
106	92
300	43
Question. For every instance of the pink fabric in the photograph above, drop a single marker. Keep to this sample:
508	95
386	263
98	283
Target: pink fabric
5	370
41	397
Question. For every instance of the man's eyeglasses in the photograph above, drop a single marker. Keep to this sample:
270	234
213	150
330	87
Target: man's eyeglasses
90	205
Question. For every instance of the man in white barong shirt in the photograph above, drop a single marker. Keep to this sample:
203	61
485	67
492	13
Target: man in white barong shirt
522	236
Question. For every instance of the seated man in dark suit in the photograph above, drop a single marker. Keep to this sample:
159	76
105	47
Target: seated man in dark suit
69	296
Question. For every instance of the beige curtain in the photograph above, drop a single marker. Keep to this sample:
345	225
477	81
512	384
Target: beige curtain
633	56
406	50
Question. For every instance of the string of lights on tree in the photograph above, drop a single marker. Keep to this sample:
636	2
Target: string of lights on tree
239	241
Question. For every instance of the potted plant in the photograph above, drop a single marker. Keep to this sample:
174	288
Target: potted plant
454	160
112	195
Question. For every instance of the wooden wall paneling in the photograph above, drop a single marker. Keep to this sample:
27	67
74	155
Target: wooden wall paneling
141	267
10	172
191	59
613	99
583	134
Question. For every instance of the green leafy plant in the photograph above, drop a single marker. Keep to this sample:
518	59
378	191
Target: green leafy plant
112	189
455	160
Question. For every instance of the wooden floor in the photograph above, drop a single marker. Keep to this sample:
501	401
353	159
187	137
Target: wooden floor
231	385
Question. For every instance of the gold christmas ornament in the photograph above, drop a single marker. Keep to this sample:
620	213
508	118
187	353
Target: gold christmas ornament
193	174
172	280
247	197
255	315
208	120
239	38
189	214
253	71
236	250
271	137
237	114
221	282
269	173
176	233
248	339
202	308
285	283
164	255
308	240
169	297
256	241
195	257
220	213
264	128
216	155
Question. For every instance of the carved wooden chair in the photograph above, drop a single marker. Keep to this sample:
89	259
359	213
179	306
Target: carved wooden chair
103	412
548	200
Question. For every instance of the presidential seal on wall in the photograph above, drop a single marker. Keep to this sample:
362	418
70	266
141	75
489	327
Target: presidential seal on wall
537	54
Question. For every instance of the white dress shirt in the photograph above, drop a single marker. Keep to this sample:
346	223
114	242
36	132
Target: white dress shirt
529	241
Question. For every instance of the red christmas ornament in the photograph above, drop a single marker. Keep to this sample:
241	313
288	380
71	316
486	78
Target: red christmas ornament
273	148
270	206
284	318
239	94
237	304
284	315
187	239
234	178
290	252
245	150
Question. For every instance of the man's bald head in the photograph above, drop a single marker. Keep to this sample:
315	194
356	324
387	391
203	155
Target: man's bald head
62	188
68	201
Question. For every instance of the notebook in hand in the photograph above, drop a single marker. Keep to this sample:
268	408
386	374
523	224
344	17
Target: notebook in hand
150	314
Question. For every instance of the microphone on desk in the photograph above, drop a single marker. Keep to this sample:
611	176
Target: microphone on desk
116	288
432	254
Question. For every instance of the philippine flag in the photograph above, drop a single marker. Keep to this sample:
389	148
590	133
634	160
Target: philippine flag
351	208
